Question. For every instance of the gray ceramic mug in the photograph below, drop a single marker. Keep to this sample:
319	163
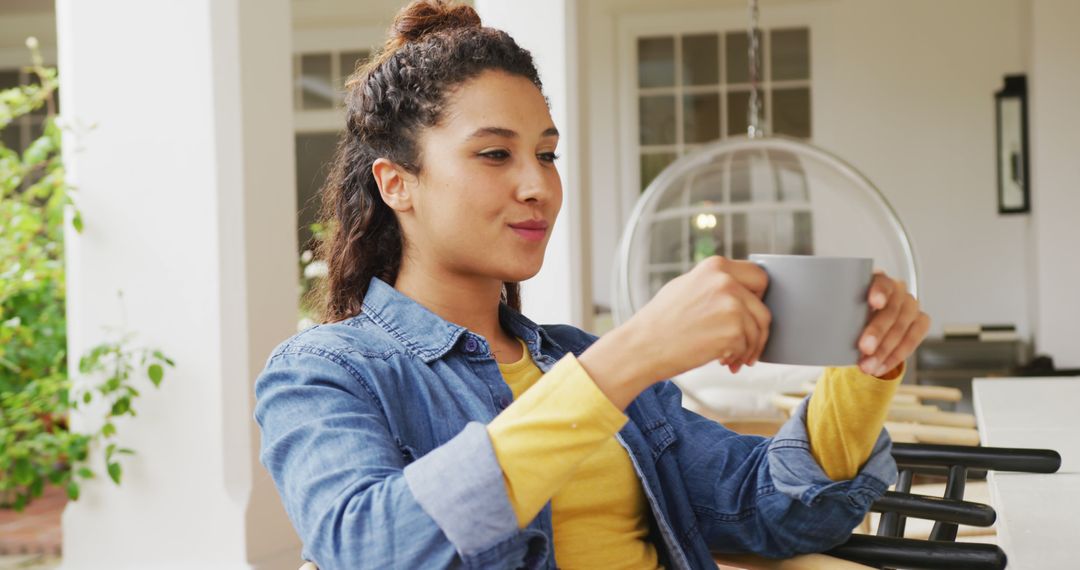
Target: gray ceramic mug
818	307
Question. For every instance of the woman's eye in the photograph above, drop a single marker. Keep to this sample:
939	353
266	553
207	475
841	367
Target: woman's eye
548	156
496	154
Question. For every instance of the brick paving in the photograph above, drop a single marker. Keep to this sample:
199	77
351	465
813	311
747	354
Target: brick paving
35	532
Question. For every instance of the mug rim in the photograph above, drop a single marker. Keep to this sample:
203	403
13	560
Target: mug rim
797	256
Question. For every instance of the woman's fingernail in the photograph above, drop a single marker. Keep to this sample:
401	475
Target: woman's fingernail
870	344
871	365
881	370
879	299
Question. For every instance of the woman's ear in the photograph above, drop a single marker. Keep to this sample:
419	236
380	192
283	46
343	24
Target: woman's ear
392	184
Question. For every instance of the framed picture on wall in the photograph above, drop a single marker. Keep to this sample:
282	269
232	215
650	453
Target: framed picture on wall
1014	179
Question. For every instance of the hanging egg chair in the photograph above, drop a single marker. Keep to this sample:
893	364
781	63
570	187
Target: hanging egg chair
744	195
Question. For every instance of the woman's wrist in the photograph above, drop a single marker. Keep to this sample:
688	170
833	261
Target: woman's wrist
615	366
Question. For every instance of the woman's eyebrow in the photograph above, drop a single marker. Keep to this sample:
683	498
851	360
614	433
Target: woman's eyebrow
508	133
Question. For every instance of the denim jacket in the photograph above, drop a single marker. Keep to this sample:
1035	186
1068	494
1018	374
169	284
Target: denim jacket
373	430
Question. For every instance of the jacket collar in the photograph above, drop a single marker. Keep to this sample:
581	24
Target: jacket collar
428	335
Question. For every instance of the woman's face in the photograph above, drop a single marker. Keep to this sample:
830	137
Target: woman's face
487	167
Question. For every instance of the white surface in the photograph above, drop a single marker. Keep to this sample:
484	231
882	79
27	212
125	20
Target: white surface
1053	85
186	187
1031	412
1037	522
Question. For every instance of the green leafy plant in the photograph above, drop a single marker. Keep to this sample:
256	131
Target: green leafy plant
312	272
36	393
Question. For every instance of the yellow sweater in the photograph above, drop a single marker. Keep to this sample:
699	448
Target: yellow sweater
599	512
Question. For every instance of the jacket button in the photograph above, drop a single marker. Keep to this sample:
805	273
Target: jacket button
471	345
503	402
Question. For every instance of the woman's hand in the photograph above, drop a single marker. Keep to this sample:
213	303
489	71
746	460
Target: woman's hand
712	312
896	327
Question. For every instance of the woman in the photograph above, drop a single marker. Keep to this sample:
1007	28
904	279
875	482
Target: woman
428	424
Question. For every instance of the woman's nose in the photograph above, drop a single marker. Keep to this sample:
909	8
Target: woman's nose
537	184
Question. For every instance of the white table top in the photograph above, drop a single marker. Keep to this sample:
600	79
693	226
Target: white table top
1037	522
1031	412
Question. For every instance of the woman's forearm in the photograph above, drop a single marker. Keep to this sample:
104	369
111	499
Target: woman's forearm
846	413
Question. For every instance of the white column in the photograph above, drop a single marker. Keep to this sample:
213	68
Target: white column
558	294
185	184
1054	127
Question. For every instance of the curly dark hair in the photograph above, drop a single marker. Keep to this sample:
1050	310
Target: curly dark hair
432	47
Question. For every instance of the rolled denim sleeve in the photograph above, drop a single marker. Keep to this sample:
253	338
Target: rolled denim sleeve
473	510
348	492
796	474
767	495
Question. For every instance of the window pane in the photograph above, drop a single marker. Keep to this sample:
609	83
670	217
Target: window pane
315	85
750	233
701	117
707	187
657	119
751	177
737	57
790	54
349	61
738	108
794	233
675	196
656	62
791	112
790	176
701	60
314	151
652	164
666	244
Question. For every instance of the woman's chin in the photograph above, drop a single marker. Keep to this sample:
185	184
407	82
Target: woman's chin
522	273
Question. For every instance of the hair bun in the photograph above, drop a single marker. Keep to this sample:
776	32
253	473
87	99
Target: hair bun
423	17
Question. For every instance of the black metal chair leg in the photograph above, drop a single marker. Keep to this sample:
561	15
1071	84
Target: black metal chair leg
954	489
891	523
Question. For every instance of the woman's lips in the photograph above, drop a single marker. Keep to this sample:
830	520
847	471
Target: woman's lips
530	235
531	230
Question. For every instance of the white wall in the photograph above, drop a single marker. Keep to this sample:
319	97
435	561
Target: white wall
186	190
903	91
1054	89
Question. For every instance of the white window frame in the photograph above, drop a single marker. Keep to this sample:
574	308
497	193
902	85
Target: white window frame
333	41
630	27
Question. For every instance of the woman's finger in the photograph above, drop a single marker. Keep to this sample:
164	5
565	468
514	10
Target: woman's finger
881	289
909	311
912	338
880	323
749	274
762	319
751	331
